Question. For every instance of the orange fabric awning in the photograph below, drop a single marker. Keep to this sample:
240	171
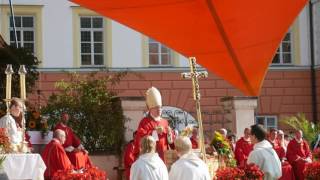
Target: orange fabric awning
234	39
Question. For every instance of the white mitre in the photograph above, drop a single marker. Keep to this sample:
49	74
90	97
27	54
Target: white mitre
153	98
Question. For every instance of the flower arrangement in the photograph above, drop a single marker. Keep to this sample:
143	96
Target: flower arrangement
248	172
252	171
228	173
36	122
90	174
223	148
312	171
4	141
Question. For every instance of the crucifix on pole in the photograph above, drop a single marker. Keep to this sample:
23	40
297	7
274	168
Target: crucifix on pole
194	75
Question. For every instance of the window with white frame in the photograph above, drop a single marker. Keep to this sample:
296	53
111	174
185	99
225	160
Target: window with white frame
25	32
159	54
91	41
284	52
268	122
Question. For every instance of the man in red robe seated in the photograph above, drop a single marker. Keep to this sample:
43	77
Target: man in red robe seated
243	148
298	154
129	156
194	138
154	125
54	155
73	147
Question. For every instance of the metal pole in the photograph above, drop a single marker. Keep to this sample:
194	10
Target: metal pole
14	24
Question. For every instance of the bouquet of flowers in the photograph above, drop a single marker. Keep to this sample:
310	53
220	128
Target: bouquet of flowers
223	149
253	172
228	173
4	141
312	171
37	122
89	174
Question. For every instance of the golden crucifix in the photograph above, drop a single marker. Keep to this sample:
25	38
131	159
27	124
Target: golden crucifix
194	75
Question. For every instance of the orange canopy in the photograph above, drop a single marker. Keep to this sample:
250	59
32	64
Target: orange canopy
235	39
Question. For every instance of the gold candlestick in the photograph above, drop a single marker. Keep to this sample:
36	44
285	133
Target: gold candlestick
22	73
8	72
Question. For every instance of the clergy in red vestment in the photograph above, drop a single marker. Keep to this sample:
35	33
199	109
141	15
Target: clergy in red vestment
298	154
194	138
129	156
243	148
287	171
54	155
154	125
73	147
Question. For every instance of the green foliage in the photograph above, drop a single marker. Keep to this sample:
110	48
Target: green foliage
300	122
95	110
17	56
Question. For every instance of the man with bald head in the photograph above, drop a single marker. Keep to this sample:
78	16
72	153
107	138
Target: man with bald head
298	154
243	148
54	155
189	166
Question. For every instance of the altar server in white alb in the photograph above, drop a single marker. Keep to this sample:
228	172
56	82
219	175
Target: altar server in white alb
8	121
189	166
149	166
263	154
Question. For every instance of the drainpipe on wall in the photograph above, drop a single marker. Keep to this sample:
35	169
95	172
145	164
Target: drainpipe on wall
312	68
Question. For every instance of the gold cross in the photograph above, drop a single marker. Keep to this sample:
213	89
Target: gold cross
194	75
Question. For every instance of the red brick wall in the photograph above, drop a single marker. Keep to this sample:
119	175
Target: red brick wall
283	92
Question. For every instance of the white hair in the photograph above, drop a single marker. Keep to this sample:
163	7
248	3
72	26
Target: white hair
183	145
59	133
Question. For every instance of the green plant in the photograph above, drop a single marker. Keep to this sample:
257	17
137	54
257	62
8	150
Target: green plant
300	122
2	159
95	110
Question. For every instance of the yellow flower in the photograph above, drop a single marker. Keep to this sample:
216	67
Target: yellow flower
32	124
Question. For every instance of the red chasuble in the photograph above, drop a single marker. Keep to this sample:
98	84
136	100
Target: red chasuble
296	150
128	158
146	127
287	171
55	158
242	151
79	159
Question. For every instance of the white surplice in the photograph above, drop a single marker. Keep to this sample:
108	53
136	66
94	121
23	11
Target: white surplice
14	134
189	167
149	166
264	156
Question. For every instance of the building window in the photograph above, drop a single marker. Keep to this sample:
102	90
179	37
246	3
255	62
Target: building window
268	122
159	55
284	52
91	41
25	32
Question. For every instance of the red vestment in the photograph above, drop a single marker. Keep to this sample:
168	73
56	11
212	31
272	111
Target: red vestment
294	151
128	158
146	127
55	158
287	171
242	151
194	142
79	159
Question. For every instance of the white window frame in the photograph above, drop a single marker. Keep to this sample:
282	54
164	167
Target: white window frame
159	53
265	123
21	30
92	53
281	53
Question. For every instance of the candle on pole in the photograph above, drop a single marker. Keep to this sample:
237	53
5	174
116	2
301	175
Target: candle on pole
22	73
8	72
